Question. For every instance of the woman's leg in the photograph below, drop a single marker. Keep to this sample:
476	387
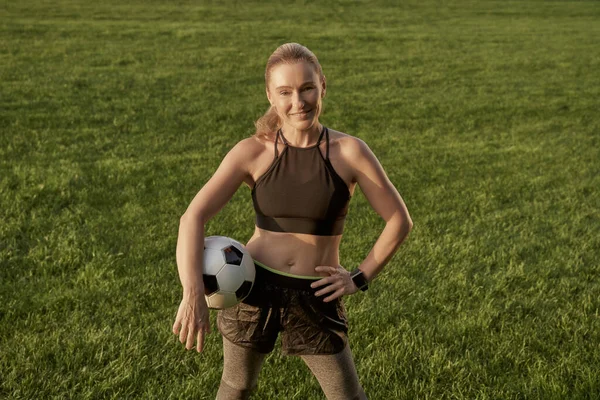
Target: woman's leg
241	367
336	374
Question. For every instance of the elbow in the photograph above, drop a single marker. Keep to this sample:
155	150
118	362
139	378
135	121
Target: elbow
404	230
401	226
407	226
409	223
403	221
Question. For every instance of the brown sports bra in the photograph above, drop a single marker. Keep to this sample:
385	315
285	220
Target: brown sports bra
301	192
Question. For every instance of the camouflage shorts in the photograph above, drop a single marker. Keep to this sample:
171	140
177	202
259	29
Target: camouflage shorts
286	304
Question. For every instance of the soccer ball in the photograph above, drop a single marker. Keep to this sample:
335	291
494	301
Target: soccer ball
228	272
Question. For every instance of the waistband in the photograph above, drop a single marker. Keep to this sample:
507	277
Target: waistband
284	279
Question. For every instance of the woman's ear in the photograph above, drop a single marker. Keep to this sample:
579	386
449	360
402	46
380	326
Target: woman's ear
269	97
323	87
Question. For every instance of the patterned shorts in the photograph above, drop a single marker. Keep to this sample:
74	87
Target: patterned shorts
286	304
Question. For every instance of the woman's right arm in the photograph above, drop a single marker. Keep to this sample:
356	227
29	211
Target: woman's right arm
192	321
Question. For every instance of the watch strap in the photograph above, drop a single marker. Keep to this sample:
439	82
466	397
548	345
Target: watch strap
358	277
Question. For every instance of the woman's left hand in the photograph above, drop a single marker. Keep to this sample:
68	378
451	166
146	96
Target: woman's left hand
339	282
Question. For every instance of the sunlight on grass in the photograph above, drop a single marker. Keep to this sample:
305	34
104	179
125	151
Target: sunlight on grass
483	114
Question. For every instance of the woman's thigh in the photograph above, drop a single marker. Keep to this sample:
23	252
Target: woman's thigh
241	365
336	374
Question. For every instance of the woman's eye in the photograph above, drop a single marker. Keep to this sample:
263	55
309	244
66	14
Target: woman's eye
308	88
284	93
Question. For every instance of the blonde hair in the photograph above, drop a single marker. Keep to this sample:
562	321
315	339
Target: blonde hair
289	53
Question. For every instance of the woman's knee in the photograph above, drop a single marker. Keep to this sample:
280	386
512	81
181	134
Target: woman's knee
227	392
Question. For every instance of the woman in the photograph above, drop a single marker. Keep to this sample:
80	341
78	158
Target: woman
302	177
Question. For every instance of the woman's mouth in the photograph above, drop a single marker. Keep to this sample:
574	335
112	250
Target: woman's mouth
301	114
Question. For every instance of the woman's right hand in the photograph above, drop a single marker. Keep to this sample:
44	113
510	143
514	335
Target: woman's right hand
192	321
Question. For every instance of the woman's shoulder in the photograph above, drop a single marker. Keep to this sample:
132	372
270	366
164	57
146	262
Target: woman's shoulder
253	149
251	146
347	144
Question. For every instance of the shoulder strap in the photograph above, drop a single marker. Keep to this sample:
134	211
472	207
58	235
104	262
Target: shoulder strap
280	134
320	136
327	142
276	140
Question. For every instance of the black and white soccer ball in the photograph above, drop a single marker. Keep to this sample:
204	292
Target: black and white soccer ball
228	272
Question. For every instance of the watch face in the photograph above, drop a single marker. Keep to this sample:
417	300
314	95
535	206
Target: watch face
359	280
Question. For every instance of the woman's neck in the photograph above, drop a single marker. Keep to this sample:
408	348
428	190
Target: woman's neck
302	138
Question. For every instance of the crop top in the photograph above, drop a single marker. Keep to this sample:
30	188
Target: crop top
301	192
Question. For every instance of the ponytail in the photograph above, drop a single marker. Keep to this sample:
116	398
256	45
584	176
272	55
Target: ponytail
268	124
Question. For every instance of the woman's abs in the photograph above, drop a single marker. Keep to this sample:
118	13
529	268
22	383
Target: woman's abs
294	253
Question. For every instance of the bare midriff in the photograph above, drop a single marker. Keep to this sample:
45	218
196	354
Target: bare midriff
294	253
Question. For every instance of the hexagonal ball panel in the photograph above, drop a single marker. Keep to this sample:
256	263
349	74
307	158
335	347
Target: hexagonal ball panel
212	262
221	300
230	278
216	242
249	268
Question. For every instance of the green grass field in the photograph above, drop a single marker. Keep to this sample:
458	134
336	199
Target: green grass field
485	115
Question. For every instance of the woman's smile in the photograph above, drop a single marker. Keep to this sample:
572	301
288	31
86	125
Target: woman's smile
301	114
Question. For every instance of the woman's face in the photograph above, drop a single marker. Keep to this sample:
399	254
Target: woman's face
295	90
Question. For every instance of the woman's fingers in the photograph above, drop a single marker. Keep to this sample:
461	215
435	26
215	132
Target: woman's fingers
326	268
202	332
339	282
190	337
192	323
328	288
183	333
197	335
333	275
338	293
191	334
321	282
178	320
200	340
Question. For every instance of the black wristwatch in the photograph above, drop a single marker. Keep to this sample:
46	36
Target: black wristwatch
358	277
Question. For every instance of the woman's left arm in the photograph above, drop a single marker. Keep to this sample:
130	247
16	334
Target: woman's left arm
386	201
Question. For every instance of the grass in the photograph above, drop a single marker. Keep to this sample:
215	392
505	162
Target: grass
483	114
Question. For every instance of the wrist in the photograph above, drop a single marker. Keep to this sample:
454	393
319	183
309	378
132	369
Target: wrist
193	291
359	279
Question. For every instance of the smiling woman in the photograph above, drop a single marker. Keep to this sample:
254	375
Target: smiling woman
302	177
295	93
293	78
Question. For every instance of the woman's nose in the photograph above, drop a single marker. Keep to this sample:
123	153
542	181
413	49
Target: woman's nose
298	101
